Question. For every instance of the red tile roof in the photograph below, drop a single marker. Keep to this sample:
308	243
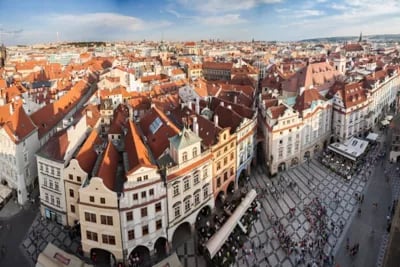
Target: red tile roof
17	125
217	65
109	165
87	155
158	141
56	147
121	115
305	100
138	155
277	111
50	115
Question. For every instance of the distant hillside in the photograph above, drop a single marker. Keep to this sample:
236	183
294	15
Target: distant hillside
379	37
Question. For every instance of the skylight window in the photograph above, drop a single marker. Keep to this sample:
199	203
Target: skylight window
155	125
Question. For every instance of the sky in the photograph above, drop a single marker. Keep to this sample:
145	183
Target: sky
43	21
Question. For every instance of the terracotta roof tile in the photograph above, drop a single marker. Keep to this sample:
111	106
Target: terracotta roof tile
217	65
109	165
138	155
305	100
56	147
157	134
277	111
87	155
121	115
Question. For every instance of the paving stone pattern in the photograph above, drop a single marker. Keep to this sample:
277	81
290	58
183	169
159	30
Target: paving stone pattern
42	232
313	180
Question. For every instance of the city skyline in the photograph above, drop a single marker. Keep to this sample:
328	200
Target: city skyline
30	22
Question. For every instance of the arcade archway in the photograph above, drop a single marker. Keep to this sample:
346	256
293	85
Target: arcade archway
181	234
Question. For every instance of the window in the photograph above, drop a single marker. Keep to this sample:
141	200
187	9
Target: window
90	217
50	183
41	167
143	212
52	171
158	207
197	198
176	189
225	161
145	177
107	220
205	173
177	211
232	171
58	202
56	186
71	177
91	198
52	199
187	204
232	156
71	192
91	236
144	194
218	165
194	152
135	196
72	208
196	179
46	197
131	234
108	239
218	181
25	157
129	216
139	179
205	192
225	176
184	156
151	192
155	125
186	184
78	178
145	230
44	181
158	224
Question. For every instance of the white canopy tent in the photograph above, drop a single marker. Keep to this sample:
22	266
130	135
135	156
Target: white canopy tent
372	136
351	148
385	122
389	117
218	239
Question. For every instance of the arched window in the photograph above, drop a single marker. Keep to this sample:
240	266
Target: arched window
194	152
184	156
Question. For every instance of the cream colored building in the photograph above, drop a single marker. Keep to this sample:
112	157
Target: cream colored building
99	208
189	180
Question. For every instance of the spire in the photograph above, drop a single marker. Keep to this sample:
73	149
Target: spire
360	39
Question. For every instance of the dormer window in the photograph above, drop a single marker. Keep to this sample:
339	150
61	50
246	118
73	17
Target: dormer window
194	152
184	156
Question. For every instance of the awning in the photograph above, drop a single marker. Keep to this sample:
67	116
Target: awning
351	148
389	117
172	261
53	256
215	243
5	191
385	122
372	136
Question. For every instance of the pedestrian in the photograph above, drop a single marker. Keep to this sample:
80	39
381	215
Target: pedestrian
362	198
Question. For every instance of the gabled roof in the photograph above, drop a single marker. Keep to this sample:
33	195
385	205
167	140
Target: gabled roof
87	155
17	124
227	118
277	111
121	114
108	167
56	147
184	139
138	154
157	128
305	100
217	65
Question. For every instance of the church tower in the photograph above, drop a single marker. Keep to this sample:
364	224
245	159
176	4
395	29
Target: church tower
360	38
3	55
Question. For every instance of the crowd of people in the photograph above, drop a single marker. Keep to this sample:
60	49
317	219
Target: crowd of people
310	249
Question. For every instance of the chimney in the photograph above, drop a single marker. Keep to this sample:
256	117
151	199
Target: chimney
216	119
130	112
235	99
229	107
222	103
301	90
197	106
89	113
11	109
195	126
189	105
152	105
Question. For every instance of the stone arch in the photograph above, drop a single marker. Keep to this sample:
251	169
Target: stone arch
181	234
282	167
102	257
140	256
161	248
307	155
230	189
294	161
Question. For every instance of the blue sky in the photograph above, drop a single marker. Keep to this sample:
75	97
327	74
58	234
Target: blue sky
37	21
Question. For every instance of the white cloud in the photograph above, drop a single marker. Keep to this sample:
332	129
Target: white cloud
228	19
216	6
